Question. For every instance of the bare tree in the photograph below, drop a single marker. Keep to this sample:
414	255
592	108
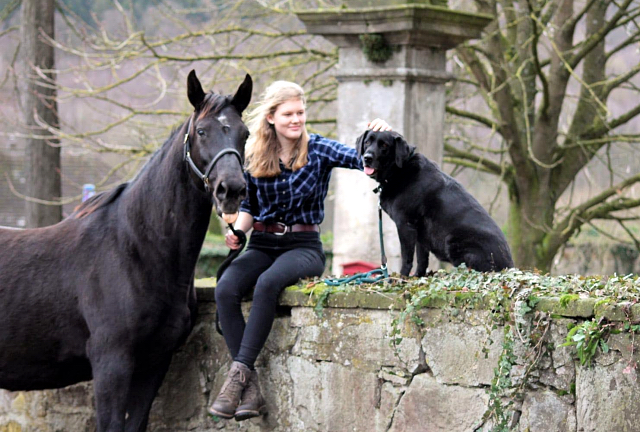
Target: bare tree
40	111
120	76
545	74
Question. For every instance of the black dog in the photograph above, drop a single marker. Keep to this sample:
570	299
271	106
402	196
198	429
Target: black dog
432	211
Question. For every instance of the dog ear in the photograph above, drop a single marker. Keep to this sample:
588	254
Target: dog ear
360	142
402	148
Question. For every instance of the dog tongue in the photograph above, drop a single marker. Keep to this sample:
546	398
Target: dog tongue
368	170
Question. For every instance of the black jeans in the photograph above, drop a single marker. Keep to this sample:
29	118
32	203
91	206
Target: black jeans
270	264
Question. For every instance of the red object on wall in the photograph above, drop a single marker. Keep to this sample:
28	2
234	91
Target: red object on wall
354	267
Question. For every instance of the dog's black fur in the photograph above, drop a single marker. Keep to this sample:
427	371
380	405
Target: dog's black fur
432	211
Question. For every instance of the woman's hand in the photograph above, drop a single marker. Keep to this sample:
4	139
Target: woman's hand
231	240
379	125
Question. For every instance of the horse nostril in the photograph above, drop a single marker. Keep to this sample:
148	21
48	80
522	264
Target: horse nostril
243	192
221	190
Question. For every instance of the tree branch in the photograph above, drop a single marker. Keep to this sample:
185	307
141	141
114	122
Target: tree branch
473	116
472	160
613	83
599	36
597	208
8	9
544	108
633	39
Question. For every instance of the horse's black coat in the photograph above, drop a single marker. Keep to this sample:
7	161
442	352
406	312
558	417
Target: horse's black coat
107	294
432	211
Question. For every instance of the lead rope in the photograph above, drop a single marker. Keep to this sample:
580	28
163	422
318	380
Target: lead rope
367	277
233	254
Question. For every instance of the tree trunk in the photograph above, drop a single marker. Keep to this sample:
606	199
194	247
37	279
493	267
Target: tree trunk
530	222
39	102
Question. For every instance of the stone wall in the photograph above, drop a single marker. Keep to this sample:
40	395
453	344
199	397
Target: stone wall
333	369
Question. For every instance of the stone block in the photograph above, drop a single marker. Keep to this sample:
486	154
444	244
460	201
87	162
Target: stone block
429	406
359	338
460	353
330	397
561	373
545	411
607	398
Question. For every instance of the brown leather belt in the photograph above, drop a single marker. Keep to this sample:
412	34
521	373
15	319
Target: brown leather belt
280	228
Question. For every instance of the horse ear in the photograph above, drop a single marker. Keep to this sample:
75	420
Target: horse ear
402	148
194	90
243	96
360	142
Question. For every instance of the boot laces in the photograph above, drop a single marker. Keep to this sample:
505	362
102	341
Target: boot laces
231	381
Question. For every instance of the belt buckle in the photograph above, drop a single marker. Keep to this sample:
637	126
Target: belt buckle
285	229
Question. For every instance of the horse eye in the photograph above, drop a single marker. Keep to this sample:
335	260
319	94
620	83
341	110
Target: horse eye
200	132
226	128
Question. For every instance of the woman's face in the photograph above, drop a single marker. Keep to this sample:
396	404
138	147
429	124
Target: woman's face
289	120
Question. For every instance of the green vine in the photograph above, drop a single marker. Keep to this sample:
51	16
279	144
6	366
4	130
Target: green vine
501	385
587	337
522	304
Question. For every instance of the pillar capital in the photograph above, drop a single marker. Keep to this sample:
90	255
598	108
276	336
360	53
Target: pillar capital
417	24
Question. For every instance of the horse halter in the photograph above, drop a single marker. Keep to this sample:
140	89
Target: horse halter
187	157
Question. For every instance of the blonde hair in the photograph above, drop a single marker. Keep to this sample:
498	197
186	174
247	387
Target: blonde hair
263	146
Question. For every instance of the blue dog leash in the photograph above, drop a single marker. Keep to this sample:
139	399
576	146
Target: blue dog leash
368	277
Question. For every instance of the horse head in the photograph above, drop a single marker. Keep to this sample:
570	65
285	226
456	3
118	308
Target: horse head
215	143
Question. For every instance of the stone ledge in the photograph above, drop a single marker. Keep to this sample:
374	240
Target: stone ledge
302	296
415	24
400	73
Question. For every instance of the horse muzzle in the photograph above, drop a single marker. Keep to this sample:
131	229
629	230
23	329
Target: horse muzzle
228	193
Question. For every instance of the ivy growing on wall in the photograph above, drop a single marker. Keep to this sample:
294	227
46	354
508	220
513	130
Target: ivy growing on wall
375	47
523	304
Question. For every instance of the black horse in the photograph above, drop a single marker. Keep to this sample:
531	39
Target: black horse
107	294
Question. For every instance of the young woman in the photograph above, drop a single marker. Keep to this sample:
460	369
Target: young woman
288	174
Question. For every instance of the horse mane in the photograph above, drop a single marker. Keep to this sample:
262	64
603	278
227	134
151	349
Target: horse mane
98	201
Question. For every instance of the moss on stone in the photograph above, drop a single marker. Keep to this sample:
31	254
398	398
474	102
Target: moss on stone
11	427
572	296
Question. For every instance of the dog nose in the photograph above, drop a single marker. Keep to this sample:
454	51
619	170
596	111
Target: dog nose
368	158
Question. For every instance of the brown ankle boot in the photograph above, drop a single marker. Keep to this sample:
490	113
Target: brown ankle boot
229	397
252	403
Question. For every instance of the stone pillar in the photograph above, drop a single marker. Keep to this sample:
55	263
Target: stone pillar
406	89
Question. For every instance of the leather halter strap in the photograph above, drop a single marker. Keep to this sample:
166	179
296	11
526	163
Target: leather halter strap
187	157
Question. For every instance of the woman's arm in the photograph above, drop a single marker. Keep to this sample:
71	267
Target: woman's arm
343	156
244	223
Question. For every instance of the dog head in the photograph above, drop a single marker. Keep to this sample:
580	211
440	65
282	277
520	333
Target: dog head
381	151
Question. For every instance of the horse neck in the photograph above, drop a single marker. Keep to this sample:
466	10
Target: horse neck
166	205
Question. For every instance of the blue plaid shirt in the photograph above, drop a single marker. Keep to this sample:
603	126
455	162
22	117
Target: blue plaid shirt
298	197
